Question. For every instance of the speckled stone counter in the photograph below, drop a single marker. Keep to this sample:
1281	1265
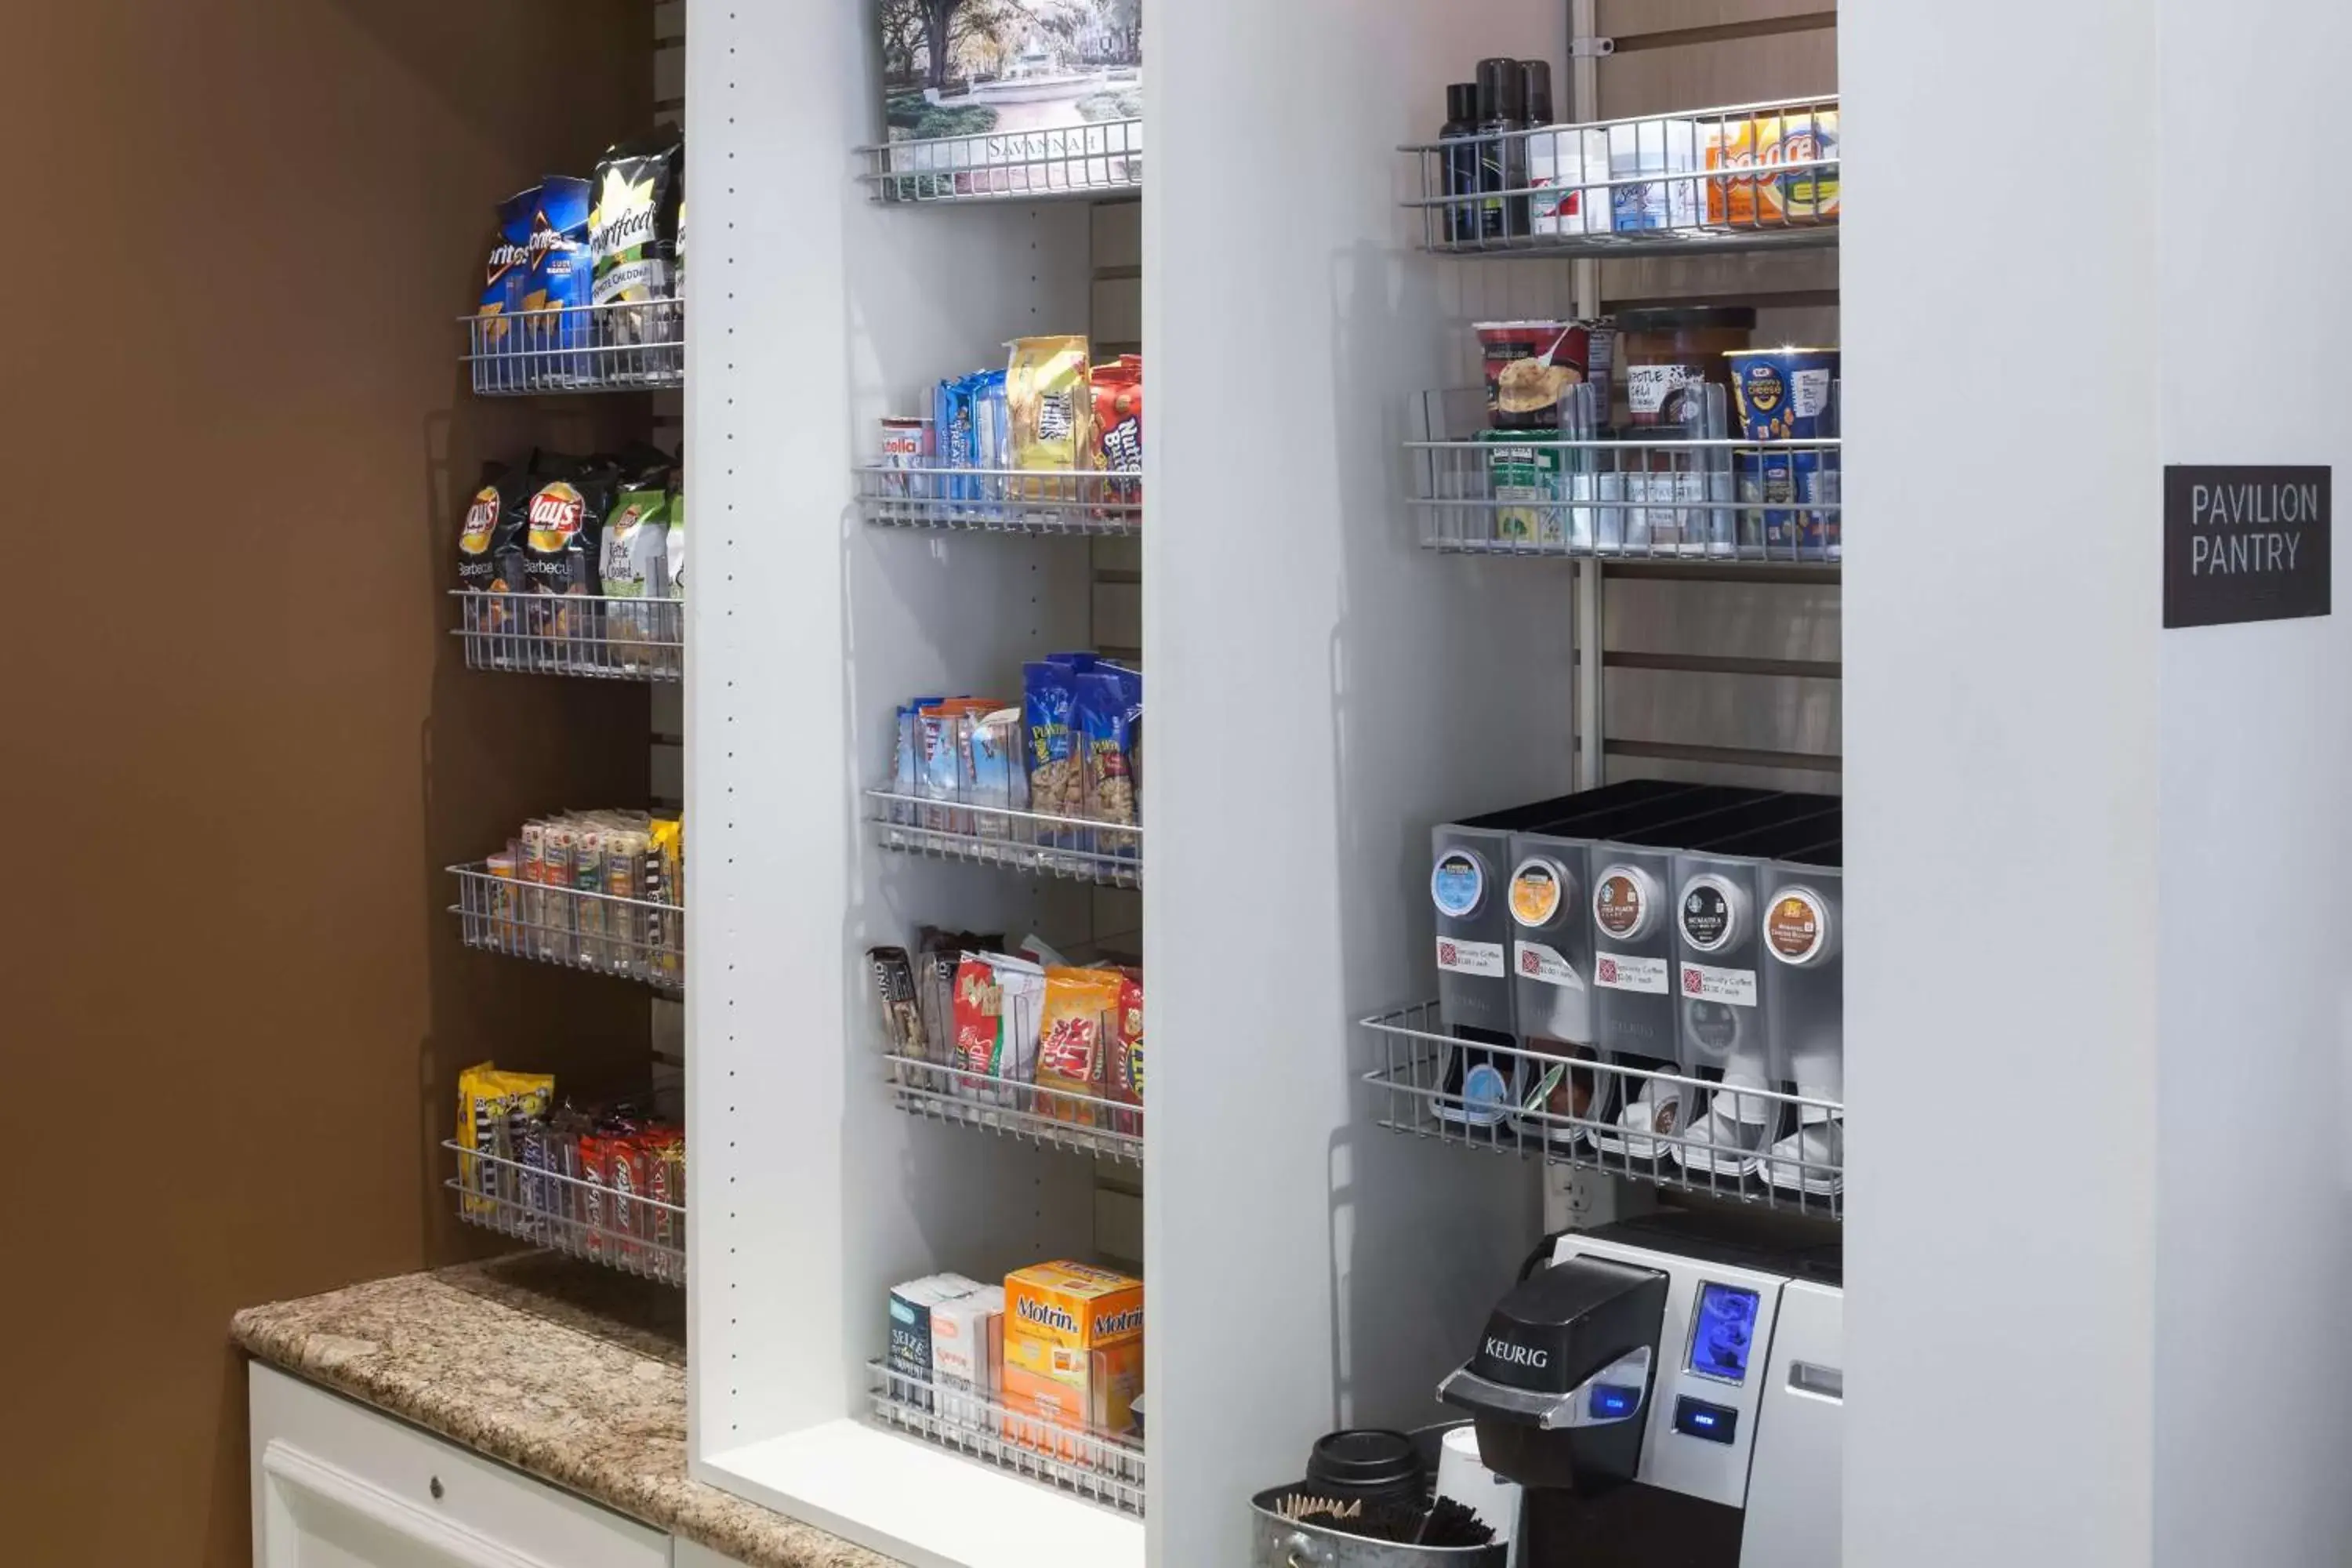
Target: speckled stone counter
573	1374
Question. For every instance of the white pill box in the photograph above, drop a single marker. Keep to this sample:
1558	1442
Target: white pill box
1560	165
968	1355
1666	147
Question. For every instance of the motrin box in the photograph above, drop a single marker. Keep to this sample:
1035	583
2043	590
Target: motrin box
1073	1354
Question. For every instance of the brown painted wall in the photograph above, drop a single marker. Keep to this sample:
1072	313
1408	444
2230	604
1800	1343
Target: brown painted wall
239	742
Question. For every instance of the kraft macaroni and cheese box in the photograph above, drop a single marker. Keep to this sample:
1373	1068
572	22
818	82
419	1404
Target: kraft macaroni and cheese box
968	1355
1073	1354
910	1356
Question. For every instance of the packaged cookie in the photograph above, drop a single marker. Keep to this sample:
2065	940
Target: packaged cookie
1118	444
1123	1083
1079	1018
1049	407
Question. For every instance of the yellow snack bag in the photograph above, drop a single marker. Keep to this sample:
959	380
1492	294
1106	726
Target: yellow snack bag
476	1129
1049	409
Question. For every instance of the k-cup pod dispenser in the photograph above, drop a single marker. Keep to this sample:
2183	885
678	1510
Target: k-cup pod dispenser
1635	914
1803	931
1666	1392
1720	1031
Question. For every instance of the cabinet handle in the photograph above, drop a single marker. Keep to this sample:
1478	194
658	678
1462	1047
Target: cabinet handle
291	1468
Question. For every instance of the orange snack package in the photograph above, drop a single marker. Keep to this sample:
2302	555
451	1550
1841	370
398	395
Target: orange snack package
1081	1018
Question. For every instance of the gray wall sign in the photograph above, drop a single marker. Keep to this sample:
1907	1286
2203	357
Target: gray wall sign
2245	544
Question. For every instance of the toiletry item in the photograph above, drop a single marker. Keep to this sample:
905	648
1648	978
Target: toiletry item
1459	164
1503	155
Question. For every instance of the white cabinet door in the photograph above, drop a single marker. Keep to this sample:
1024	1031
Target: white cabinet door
338	1486
686	1554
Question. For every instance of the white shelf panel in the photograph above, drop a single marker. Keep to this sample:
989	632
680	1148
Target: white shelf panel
922	1505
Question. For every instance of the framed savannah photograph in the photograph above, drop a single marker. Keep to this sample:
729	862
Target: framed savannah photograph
1011	98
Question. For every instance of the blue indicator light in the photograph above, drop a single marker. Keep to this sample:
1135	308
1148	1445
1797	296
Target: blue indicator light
1697	1418
1611	1400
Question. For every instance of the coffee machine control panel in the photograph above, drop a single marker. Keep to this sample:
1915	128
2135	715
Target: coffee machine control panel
1713	1345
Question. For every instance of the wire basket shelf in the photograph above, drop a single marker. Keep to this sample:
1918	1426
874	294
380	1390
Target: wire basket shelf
577	635
607	933
919	1061
1073	849
1754	177
1691	1132
612	1222
613	347
1657	494
1091	1463
1001	500
1101	159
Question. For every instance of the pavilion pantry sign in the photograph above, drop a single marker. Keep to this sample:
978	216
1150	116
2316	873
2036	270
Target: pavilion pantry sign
2244	544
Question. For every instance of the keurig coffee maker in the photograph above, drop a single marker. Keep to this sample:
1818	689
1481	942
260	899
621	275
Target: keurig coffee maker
1668	1397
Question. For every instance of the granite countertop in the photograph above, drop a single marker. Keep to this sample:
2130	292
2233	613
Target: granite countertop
572	1373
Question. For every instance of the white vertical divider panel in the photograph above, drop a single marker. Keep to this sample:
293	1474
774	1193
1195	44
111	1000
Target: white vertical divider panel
811	313
1322	693
2002	726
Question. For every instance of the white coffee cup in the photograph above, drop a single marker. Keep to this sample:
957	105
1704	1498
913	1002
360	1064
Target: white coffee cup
1463	1476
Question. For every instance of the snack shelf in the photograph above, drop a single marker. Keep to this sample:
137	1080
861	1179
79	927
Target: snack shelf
1091	1463
1102	158
1769	1147
1021	1111
1692	183
567	1213
593	636
1074	848
615	347
1569	492
631	939
1001	500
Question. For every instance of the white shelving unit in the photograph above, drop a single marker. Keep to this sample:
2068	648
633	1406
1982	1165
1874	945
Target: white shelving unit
1323	689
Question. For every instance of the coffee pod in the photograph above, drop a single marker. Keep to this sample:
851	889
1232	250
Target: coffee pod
1799	928
1625	902
1712	913
1457	884
1541	892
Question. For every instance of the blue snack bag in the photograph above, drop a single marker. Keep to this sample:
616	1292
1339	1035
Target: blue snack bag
1108	710
957	437
503	277
1048	695
991	437
561	278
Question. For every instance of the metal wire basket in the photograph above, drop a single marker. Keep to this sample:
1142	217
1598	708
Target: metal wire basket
1751	176
1084	1460
614	347
1001	500
602	1222
579	634
926	1080
1074	848
1103	158
1657	494
1765	1145
632	938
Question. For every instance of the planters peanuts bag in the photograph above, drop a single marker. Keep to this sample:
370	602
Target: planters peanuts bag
561	277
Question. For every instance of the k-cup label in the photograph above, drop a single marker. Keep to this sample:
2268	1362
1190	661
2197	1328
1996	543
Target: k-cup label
1796	926
1704	983
1624	972
1705	914
1535	893
1617	903
1533	960
1668	1111
1470	957
1457	884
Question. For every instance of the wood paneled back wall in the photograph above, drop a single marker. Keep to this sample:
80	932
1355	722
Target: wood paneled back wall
241	745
